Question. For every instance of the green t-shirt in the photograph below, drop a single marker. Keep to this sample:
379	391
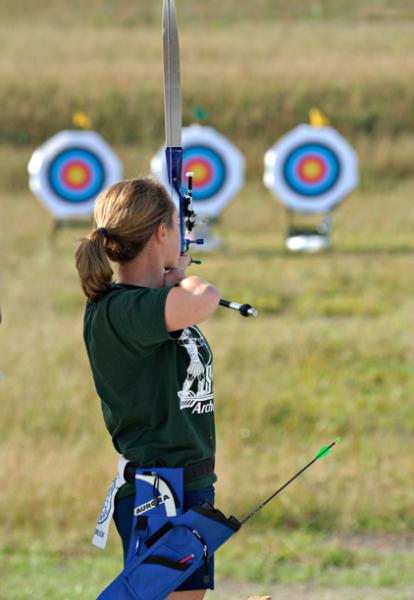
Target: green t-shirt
156	387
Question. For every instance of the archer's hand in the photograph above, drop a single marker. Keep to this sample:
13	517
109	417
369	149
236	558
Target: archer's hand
184	261
177	274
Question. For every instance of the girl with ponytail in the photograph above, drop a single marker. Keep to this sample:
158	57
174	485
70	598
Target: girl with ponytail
151	365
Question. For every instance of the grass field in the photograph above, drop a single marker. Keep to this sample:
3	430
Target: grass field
330	355
332	351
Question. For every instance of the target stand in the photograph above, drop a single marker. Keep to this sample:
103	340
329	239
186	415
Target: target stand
81	223
310	170
218	175
69	171
308	234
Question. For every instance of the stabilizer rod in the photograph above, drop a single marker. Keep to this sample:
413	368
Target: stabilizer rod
246	310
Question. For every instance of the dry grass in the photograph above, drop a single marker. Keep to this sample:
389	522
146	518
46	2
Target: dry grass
103	13
270	75
330	355
249	55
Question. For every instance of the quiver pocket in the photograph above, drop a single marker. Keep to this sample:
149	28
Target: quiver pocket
172	554
165	565
157	572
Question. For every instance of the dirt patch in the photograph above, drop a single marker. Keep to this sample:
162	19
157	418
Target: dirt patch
385	542
232	590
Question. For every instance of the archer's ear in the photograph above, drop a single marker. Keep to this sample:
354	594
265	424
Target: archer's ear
161	232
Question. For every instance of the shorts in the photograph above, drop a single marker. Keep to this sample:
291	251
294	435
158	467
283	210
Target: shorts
123	514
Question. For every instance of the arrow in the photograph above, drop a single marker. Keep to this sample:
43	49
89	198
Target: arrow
326	449
322	452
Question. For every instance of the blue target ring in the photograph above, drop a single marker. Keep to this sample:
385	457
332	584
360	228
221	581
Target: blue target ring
209	171
311	169
76	175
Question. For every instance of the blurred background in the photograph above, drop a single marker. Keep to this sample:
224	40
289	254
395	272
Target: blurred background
332	351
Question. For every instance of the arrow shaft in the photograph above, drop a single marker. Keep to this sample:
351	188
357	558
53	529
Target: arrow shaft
284	486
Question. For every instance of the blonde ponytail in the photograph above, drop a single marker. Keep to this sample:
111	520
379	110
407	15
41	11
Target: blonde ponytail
94	268
126	215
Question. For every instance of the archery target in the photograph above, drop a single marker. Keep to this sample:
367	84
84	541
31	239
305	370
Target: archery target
70	170
311	169
209	171
76	175
218	169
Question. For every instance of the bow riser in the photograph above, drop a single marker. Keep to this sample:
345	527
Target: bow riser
174	158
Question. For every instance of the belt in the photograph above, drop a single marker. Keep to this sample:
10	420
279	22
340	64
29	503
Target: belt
191	472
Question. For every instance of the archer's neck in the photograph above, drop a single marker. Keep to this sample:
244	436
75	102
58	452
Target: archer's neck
146	270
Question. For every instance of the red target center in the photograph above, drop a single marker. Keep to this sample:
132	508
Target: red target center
76	174
311	169
202	170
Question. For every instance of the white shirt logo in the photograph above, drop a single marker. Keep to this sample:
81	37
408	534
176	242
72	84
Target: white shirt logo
197	391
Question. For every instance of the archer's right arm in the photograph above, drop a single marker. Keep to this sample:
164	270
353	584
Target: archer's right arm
192	301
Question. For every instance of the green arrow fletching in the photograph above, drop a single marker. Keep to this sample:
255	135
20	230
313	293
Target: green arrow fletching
326	449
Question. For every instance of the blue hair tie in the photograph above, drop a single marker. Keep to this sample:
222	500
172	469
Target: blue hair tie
103	231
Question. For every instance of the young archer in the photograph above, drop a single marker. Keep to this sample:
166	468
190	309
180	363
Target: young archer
151	365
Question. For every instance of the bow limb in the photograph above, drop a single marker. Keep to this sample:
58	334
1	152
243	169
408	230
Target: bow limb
172	109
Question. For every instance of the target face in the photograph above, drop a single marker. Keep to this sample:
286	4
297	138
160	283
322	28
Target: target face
70	170
209	171
76	175
311	169
218	169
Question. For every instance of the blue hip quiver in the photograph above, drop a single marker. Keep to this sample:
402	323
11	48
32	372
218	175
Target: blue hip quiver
167	545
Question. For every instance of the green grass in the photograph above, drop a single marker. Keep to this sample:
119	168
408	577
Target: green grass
329	355
264	558
102	14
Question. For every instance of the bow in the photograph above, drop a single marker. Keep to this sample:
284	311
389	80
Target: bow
174	150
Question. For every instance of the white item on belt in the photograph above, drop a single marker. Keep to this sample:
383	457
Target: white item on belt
105	517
